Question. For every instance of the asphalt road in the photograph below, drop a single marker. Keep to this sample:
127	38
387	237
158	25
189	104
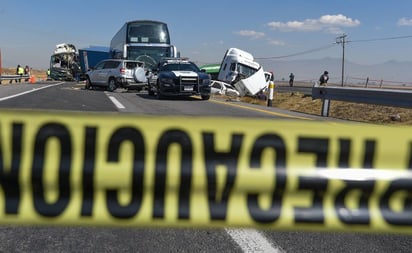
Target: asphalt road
72	97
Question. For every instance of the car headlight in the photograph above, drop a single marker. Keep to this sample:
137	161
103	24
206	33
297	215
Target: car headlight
166	80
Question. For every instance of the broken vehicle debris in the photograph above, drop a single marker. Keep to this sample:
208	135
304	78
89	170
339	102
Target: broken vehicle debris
239	70
64	63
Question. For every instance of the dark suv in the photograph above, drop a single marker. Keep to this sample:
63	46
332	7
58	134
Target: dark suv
177	77
114	73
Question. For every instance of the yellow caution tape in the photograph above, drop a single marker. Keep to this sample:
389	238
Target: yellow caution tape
131	170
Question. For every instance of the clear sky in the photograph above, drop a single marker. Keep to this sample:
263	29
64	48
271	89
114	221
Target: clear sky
203	30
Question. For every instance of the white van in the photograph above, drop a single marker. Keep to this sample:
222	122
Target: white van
239	69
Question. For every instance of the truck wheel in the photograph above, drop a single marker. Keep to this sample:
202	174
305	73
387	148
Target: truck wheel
112	85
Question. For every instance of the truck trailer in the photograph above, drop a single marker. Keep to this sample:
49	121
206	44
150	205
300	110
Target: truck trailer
90	56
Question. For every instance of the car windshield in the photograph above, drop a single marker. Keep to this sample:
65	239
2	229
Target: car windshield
180	66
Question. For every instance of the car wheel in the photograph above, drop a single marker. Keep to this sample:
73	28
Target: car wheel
88	84
112	85
205	97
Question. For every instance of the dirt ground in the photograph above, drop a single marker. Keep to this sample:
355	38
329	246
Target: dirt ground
342	110
39	74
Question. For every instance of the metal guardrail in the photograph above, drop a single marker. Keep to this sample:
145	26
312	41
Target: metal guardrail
13	77
397	98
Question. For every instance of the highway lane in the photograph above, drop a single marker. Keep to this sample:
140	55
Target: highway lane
72	96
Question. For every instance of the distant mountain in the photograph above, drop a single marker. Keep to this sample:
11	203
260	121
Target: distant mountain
390	71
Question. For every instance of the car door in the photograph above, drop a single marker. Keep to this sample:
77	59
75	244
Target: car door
95	75
110	69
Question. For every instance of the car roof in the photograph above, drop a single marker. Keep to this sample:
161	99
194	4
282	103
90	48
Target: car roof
167	60
176	61
124	60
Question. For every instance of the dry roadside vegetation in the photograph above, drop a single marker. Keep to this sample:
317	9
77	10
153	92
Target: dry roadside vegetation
341	110
39	74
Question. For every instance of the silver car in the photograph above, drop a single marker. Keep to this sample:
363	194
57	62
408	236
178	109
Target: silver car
223	88
114	73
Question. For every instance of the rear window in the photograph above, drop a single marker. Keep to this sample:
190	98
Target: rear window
111	64
132	65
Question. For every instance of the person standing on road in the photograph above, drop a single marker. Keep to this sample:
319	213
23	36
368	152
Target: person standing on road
291	79
17	72
27	72
324	78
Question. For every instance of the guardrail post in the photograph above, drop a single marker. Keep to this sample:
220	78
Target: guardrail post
325	107
386	97
271	88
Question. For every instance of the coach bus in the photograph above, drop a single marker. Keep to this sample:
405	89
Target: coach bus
143	40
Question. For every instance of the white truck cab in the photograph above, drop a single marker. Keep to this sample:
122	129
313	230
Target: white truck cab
239	69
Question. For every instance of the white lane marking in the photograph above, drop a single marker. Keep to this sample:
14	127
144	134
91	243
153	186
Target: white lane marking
30	91
250	240
116	102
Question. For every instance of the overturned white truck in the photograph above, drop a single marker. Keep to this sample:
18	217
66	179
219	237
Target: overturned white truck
239	69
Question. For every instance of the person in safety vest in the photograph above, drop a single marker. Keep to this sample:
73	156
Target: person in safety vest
20	71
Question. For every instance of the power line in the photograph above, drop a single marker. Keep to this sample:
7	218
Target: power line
380	39
297	54
330	46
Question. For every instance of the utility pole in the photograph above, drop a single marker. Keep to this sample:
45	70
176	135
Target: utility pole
342	40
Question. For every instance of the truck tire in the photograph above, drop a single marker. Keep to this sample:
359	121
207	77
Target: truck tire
111	85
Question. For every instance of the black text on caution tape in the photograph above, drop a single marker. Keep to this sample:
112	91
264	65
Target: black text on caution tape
206	187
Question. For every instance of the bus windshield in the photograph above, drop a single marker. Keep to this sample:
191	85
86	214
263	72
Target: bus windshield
151	56
148	32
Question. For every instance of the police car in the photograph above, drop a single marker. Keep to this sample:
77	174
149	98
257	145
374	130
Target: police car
180	77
